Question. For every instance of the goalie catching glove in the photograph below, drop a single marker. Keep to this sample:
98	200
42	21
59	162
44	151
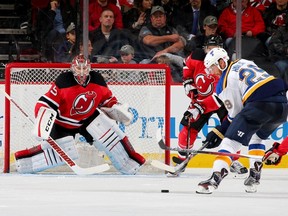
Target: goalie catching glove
273	156
119	112
194	112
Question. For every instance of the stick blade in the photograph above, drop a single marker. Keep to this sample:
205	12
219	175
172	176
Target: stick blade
91	170
162	166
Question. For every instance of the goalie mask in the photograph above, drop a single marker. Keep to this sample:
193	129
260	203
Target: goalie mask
80	67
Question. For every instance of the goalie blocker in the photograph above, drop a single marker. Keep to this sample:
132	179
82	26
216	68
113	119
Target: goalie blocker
106	136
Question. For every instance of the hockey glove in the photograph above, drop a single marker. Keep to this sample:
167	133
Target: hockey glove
190	89
214	137
194	112
272	156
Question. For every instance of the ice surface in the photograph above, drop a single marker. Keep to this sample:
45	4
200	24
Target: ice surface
115	194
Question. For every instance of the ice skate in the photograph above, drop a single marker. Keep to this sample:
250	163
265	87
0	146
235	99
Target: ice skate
254	178
238	170
208	186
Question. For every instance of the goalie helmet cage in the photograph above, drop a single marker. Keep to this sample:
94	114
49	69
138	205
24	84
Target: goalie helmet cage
145	87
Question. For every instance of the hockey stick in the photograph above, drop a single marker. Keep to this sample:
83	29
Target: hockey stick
68	160
163	146
175	170
184	163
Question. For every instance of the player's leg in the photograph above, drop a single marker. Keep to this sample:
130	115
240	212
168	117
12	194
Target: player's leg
236	166
42	157
187	137
256	145
239	133
109	138
220	166
188	133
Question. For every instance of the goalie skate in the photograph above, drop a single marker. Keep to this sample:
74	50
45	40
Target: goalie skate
238	170
208	186
254	178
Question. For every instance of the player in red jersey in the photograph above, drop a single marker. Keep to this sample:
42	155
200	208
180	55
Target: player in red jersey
199	85
85	105
274	155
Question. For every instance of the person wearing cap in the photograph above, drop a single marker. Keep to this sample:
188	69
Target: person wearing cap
194	14
127	54
51	25
158	38
210	26
65	50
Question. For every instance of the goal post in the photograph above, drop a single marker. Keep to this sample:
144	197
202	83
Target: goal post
145	87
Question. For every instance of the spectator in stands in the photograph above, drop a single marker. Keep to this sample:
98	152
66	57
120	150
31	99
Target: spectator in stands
65	50
261	5
210	26
173	9
106	39
194	14
127	54
278	50
138	16
274	17
252	21
90	48
96	7
158	37
51	26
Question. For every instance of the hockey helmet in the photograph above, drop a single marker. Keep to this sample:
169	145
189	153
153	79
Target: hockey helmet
80	67
213	57
214	40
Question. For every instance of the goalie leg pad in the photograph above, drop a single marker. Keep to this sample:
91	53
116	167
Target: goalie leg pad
42	157
110	139
44	123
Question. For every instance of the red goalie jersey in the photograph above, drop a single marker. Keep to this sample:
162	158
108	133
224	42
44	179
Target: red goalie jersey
75	103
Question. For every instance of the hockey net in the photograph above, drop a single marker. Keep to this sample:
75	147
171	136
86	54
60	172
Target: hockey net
146	88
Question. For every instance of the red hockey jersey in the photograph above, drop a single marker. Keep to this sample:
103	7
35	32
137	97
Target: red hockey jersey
75	103
204	83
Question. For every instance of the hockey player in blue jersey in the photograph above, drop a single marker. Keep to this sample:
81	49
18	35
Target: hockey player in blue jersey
256	103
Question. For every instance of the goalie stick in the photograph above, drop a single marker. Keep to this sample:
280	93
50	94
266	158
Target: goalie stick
163	146
57	148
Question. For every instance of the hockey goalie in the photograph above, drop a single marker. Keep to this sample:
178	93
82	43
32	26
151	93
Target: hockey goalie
82	103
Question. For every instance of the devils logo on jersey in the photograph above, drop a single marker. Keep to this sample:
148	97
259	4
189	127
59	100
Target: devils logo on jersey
83	103
279	20
204	84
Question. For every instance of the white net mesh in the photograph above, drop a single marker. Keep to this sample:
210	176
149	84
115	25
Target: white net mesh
142	88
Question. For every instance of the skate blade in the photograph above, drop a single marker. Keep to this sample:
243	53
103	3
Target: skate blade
251	189
205	189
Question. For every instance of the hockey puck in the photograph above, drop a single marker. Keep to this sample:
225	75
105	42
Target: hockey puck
164	191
